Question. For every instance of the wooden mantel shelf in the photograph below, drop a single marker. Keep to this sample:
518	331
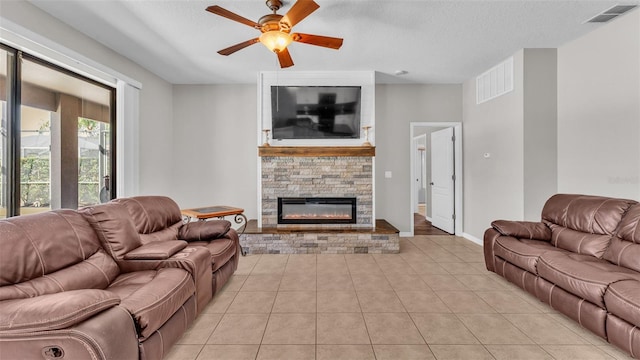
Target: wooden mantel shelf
312	151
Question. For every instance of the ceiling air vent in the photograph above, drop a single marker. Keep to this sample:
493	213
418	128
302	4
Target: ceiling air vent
611	14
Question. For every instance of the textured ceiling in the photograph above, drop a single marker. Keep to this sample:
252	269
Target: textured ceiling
435	41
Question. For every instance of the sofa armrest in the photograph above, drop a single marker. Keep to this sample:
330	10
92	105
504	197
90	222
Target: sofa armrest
204	230
53	311
523	229
156	250
194	259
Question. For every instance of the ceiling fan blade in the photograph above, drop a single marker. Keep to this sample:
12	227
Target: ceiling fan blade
300	10
231	49
285	58
325	41
215	9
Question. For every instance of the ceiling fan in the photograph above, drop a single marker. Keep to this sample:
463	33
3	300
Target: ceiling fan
276	29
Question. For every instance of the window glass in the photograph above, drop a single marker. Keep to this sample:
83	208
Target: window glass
93	162
35	160
65	140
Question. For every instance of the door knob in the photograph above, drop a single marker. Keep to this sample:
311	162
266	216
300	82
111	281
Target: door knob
431	184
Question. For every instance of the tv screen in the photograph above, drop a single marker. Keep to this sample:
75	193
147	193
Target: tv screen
315	112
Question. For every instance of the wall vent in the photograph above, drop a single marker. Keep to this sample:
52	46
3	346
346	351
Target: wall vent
611	13
495	82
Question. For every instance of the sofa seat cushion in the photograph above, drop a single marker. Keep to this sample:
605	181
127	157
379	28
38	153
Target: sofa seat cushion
623	300
582	275
152	297
222	250
523	253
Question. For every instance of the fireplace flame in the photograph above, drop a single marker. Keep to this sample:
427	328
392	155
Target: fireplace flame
316	216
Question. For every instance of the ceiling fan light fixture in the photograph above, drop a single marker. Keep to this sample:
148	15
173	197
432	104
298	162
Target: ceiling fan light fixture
275	40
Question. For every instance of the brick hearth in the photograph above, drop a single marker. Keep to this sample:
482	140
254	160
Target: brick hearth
384	239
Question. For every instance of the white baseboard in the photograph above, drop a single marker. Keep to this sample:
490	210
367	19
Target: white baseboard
428	219
405	234
472	238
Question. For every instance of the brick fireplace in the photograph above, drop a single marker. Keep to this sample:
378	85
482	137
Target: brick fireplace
336	173
318	176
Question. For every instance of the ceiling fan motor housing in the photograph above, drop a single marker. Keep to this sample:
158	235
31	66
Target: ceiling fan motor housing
271	22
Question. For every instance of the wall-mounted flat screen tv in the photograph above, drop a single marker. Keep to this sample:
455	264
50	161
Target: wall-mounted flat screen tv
315	112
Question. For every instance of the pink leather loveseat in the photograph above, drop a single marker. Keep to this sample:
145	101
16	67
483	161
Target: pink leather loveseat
582	259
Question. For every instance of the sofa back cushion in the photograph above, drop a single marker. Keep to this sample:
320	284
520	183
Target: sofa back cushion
625	246
51	252
156	218
579	242
583	224
114	228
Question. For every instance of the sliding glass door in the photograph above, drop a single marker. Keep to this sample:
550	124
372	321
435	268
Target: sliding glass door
65	124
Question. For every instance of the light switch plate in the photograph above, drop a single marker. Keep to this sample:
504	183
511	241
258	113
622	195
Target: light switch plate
387	174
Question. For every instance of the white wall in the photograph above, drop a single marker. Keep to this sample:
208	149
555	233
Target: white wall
599	111
396	107
215	158
493	187
540	111
197	143
596	130
155	123
518	132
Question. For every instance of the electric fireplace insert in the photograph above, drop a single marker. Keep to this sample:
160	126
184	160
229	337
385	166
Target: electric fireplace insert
317	210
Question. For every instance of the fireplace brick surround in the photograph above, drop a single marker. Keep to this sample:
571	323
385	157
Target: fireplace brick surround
318	177
319	172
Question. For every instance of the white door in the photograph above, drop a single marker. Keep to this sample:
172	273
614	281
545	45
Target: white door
416	172
442	183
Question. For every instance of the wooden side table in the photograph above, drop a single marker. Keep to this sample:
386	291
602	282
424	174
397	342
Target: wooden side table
218	211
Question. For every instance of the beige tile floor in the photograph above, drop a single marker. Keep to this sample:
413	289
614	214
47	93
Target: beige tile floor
434	300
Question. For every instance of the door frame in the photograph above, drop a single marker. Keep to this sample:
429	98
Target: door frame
458	188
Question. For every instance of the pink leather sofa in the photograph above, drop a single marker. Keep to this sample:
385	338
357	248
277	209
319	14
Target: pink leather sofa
582	259
87	284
